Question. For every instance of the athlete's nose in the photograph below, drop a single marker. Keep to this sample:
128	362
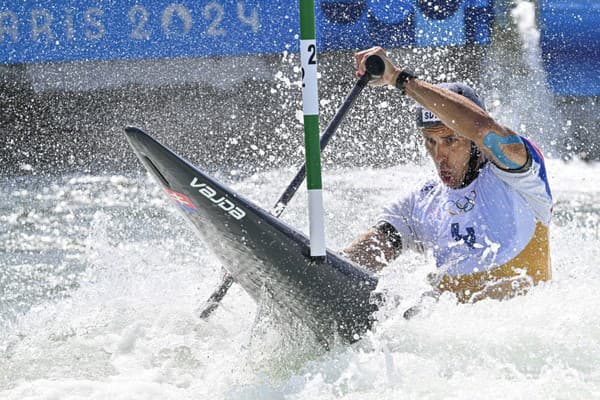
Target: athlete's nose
439	154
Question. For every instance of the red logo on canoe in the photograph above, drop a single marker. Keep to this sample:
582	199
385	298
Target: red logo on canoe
182	200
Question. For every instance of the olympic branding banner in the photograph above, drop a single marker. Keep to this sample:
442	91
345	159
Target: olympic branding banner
69	30
570	42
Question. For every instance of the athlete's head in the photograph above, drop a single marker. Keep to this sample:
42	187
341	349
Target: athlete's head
456	158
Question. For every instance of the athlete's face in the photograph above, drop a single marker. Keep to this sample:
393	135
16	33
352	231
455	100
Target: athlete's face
450	153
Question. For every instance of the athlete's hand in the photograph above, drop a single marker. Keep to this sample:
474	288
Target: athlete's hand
391	71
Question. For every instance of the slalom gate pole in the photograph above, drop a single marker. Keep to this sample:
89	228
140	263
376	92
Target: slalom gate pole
310	100
290	191
375	68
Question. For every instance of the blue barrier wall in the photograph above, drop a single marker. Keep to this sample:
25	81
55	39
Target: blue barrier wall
67	30
570	41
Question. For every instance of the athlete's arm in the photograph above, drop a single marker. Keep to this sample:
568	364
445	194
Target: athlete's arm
375	248
501	145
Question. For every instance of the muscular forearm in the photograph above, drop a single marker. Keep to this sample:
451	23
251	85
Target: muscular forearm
371	250
467	119
455	111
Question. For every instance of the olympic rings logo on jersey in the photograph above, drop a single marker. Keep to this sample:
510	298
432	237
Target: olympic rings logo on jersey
460	206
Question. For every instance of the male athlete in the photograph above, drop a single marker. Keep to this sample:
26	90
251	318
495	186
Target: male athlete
486	218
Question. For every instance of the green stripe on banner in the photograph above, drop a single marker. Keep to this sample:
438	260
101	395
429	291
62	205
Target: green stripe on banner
307	19
313	152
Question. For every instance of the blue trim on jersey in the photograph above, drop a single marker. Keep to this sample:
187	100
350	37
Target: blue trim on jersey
536	157
493	141
428	186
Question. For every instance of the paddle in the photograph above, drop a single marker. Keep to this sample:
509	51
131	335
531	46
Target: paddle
375	68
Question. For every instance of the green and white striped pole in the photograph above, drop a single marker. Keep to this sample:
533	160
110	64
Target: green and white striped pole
310	100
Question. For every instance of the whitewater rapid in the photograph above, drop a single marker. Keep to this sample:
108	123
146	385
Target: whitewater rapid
101	281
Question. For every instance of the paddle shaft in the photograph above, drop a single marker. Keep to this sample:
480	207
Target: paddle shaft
292	188
375	69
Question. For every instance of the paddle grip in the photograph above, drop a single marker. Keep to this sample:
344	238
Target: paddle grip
375	66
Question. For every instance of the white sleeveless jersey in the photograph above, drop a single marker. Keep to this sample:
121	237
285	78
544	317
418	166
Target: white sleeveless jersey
478	227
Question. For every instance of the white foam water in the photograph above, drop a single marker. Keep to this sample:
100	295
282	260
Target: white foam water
113	312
